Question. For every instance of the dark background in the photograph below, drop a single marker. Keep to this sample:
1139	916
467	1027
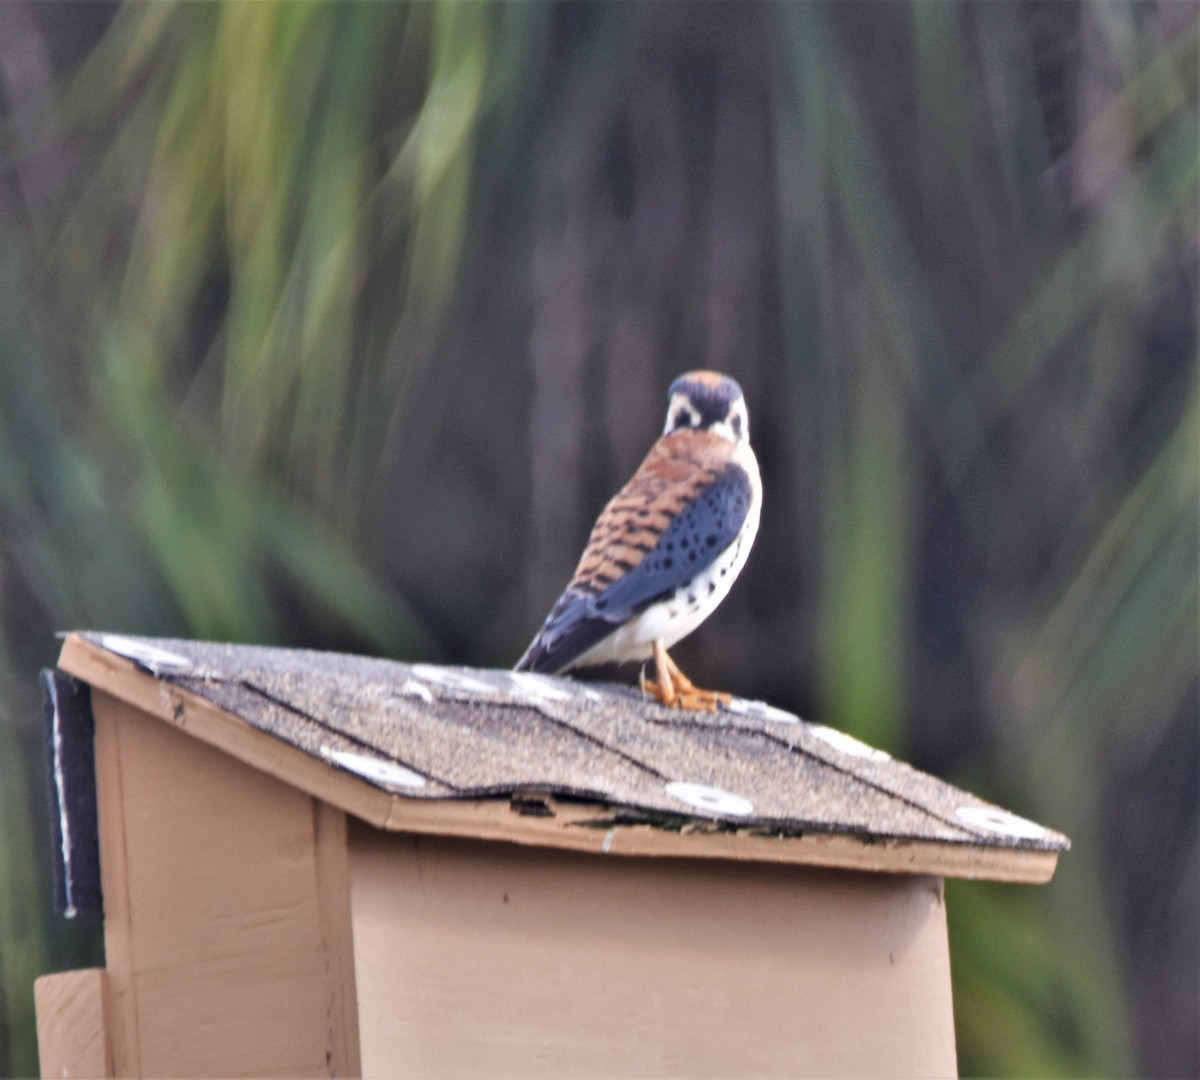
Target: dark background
336	324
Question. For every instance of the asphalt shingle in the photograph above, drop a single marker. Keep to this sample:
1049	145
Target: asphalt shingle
431	732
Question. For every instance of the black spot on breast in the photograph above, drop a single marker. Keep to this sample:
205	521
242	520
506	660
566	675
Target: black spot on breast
692	599
712	587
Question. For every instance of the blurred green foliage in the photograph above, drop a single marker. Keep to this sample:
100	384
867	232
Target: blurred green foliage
335	323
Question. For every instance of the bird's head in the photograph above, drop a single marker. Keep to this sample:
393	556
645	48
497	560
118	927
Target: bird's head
708	401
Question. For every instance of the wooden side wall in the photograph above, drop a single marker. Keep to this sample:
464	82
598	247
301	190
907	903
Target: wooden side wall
482	959
227	923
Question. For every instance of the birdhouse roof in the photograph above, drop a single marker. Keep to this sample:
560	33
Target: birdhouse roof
560	763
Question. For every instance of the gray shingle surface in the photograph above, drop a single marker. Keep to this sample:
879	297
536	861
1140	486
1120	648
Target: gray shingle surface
470	733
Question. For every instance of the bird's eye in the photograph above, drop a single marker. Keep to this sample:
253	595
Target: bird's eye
736	424
682	418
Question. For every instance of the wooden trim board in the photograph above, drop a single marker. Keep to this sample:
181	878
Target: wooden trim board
332	868
573	826
585	827
72	1024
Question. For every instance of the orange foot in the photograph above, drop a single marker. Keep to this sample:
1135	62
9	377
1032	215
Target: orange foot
674	689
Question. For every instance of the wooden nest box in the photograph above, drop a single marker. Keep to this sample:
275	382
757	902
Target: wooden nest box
317	865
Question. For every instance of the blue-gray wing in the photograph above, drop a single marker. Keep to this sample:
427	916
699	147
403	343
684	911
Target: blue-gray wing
572	627
691	541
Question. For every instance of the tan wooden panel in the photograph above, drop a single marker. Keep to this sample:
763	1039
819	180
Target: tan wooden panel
478	959
221	950
72	1029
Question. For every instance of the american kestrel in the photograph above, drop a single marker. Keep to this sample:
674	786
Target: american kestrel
665	550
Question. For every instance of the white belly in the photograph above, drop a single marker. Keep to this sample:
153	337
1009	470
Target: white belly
672	619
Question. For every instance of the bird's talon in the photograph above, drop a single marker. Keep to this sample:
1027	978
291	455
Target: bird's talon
652	689
702	700
689	697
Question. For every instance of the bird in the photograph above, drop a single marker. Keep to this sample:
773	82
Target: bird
665	550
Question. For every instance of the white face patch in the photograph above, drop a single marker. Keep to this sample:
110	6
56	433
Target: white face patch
680	414
723	430
739	421
735	428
